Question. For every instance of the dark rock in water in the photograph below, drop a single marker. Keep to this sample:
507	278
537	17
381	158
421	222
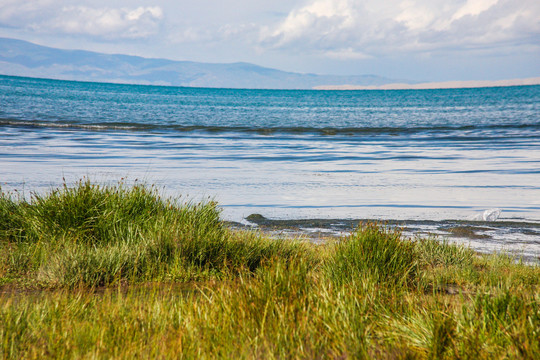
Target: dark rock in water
256	218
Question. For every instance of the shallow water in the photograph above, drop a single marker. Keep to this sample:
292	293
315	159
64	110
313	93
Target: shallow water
409	155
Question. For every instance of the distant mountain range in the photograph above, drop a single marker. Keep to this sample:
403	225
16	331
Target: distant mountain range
22	58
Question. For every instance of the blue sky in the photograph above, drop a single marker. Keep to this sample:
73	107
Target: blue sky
431	40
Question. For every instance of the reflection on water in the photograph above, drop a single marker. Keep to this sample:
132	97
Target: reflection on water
287	176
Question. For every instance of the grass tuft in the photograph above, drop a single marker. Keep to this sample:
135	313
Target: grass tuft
375	252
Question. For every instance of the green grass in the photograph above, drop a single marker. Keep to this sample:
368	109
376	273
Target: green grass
373	253
94	271
90	235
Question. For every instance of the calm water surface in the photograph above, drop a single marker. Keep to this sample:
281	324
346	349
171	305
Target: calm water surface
410	155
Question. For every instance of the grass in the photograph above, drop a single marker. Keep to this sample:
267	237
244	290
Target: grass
94	271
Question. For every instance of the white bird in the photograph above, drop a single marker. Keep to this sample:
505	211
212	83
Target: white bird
491	214
487	215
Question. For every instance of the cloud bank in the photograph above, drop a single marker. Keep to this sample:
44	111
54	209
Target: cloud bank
107	23
360	29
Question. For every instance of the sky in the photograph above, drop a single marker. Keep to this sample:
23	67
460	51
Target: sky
423	40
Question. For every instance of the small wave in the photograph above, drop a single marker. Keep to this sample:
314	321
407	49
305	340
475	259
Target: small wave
68	125
445	132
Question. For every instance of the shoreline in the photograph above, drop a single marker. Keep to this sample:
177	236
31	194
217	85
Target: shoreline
515	238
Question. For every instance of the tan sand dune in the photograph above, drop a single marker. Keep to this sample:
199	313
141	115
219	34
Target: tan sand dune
437	85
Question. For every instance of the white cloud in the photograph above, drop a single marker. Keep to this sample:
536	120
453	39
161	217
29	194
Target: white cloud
102	22
474	7
140	22
363	28
15	13
324	17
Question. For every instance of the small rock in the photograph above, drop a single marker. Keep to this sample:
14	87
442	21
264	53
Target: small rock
256	218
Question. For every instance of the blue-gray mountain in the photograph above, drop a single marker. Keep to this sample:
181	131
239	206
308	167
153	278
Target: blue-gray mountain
21	58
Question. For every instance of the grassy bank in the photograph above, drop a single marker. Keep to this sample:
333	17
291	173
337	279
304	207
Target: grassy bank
118	271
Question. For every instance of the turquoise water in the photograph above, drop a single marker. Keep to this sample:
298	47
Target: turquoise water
400	154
